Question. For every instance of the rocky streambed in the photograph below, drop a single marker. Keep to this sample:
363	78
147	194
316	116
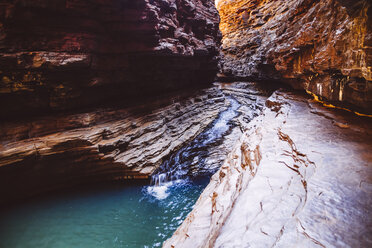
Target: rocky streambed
189	136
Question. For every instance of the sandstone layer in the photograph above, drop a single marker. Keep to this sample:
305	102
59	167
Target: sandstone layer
322	46
67	54
106	144
300	176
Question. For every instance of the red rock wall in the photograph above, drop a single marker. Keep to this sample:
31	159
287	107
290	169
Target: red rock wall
322	46
67	54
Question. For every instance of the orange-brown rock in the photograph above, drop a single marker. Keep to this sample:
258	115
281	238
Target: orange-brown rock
321	46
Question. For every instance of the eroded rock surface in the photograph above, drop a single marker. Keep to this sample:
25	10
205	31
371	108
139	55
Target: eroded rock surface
299	176
103	145
58	55
322	46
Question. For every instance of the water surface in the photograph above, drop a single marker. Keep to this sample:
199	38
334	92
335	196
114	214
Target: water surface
115	216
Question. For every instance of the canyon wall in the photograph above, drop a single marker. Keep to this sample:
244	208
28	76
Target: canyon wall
68	54
101	90
324	47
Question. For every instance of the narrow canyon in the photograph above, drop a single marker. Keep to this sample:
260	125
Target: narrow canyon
185	123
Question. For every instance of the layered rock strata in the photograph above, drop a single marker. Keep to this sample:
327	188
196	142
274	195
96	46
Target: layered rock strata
110	144
322	46
251	98
103	145
299	176
58	55
204	155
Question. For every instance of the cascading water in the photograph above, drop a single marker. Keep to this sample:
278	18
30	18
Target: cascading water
188	162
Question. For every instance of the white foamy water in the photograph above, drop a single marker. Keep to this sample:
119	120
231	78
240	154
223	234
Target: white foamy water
159	192
175	171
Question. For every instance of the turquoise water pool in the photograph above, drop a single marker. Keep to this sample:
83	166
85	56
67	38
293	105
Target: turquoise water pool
109	216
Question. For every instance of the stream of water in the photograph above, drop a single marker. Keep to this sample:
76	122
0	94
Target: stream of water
117	215
187	163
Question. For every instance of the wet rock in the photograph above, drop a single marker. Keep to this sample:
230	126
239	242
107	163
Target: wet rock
320	46
293	179
70	54
251	98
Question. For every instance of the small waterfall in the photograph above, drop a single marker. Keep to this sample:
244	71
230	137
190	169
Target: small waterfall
177	169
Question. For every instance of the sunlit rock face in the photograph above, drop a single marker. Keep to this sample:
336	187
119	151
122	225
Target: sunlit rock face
300	176
57	55
321	46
